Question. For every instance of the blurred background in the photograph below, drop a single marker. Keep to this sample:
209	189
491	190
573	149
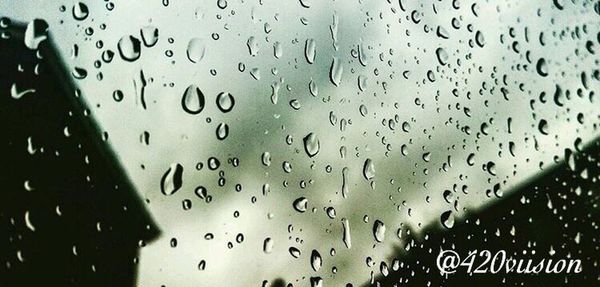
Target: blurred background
260	133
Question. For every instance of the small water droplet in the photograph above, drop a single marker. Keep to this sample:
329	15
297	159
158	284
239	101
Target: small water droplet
196	49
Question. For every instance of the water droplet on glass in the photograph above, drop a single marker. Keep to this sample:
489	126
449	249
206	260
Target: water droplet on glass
310	50
346	233
266	158
80	11
268	245
225	102
301	204
222	131
35	33
369	169
442	56
201	192
196	49
316	261
149	35
311	144
222	4
335	72
171	181
543	127
447	219
542	67
129	48
252	46
192	100
294	252
16	94
379	231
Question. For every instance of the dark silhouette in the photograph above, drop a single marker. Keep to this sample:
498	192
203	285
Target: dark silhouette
68	214
558	210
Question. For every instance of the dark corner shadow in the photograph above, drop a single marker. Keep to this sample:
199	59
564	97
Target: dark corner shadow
69	216
555	213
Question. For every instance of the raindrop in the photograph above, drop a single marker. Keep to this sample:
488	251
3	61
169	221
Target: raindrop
479	39
346	233
369	169
202	265
379	231
442	56
294	252
35	33
301	204
172	179
447	219
16	94
79	73
311	144
129	48
201	192
542	67
316	261
222	131
252	46
268	245
80	11
149	35
266	158
543	127
222	4
196	49
310	50
305	3
335	72
225	102
193	100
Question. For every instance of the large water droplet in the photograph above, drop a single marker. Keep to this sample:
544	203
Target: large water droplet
301	204
369	169
225	102
35	33
252	46
294	252
442	56
268	245
196	49
542	67
311	144
193	100
149	35
171	181
316	261
129	48
379	231
335	72
310	50
222	131
346	233
543	127
80	11
447	219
